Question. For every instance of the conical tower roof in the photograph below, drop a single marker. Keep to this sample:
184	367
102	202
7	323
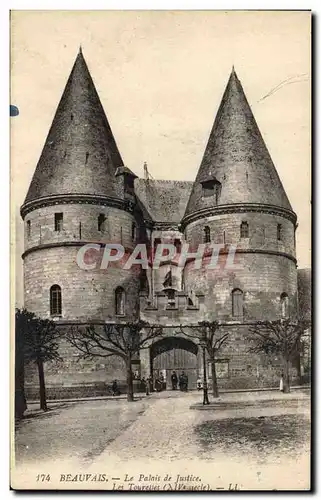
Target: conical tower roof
80	155
236	159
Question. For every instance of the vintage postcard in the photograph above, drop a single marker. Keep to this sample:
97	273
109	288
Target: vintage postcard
161	281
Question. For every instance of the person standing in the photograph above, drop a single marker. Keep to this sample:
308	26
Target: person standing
115	389
282	382
185	382
145	384
174	381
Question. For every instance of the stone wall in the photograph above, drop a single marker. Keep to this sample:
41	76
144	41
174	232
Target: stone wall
118	225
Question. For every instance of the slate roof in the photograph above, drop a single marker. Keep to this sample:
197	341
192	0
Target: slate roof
237	157
164	200
80	155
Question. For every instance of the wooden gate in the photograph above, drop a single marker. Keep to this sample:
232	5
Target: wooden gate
179	354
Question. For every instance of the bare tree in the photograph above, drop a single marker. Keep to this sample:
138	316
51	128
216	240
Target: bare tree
209	335
281	338
122	340
39	338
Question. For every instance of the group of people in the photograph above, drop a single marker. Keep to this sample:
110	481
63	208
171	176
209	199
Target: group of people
159	384
181	381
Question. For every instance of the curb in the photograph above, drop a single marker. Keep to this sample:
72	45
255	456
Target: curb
139	396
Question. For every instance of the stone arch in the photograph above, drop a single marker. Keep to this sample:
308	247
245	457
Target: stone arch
169	343
175	354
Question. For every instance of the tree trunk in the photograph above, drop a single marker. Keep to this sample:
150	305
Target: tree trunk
42	388
286	376
214	380
298	368
130	388
20	400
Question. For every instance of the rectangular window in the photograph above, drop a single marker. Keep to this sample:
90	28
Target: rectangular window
279	232
244	230
101	222
237	303
59	217
28	229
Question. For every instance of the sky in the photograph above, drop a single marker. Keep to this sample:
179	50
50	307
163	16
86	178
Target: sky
160	76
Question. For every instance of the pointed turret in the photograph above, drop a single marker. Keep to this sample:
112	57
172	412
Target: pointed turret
236	167
80	155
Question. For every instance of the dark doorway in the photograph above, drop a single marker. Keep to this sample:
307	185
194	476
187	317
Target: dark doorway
175	353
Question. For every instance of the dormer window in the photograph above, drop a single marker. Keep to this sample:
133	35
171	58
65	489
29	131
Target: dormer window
211	188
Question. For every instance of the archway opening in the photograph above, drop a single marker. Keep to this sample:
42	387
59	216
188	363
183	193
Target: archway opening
175	354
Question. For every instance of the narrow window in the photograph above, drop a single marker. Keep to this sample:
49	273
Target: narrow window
279	232
237	303
55	300
28	229
59	217
120	301
224	238
178	245
157	241
284	299
133	231
244	230
87	156
207	234
101	222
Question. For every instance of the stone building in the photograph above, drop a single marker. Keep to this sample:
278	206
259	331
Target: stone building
82	192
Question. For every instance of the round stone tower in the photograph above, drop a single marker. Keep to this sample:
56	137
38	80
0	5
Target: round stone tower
238	201
80	193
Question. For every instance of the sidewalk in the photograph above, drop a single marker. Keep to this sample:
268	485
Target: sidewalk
141	395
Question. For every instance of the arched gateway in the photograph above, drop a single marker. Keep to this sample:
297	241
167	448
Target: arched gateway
175	353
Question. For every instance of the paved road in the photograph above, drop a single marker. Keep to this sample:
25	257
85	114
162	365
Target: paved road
263	444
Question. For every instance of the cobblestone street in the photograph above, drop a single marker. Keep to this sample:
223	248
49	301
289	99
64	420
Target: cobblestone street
247	437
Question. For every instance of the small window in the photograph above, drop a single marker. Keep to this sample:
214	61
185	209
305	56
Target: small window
133	231
244	230
157	241
101	222
207	234
59	217
55	300
279	232
120	301
28	229
284	299
237	303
